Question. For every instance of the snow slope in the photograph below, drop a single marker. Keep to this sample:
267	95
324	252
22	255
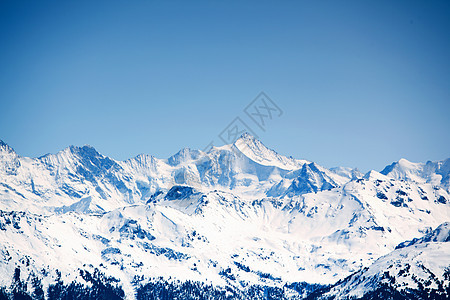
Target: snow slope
415	270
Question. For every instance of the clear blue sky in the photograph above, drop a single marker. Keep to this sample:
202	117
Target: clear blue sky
361	83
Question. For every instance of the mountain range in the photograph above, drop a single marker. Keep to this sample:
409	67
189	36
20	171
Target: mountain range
237	222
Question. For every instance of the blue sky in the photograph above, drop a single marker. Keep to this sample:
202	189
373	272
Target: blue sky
360	83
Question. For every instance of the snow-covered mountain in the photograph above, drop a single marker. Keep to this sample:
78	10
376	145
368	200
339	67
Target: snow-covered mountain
436	173
417	269
240	219
76	173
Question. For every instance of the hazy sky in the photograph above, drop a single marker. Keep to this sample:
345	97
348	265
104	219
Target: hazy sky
360	83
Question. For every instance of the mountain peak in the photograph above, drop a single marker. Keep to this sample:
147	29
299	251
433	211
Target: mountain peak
247	139
405	170
373	175
5	147
403	161
247	136
183	155
85	149
255	150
